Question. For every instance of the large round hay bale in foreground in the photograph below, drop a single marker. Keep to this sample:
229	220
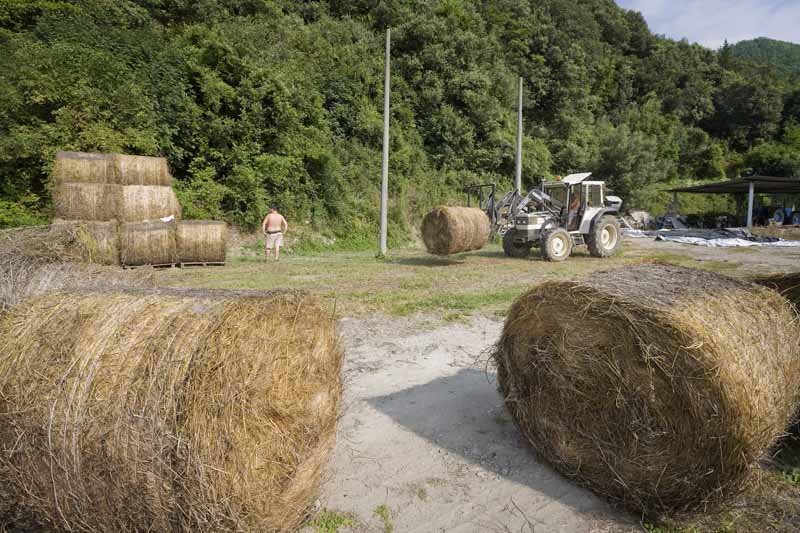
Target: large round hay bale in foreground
202	241
656	386
113	169
148	243
451	230
148	202
166	410
99	202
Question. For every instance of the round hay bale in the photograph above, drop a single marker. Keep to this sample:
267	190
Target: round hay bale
99	202
90	242
83	167
202	241
451	230
141	170
148	243
166	410
654	385
113	169
148	202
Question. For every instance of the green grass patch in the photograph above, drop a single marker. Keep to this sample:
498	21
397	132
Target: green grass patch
382	512
460	302
328	521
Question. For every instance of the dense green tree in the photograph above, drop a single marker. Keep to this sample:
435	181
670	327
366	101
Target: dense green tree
262	101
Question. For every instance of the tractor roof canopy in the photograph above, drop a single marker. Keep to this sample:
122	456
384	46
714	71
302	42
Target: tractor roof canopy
574	179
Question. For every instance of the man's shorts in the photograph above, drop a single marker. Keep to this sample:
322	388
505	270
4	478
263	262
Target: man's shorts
273	240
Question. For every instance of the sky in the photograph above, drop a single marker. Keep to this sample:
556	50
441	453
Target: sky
710	22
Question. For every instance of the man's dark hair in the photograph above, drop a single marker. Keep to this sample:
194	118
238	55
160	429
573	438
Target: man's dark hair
274	207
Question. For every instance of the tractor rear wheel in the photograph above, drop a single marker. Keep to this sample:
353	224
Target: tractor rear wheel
515	249
556	245
604	237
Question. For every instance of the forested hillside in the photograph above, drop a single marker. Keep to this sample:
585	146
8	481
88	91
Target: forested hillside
261	101
779	54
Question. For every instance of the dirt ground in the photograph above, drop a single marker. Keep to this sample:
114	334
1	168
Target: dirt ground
425	434
424	442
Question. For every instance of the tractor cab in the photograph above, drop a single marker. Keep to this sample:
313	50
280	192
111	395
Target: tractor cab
576	197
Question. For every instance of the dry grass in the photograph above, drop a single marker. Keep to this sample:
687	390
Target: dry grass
141	203
451	230
202	241
166	410
786	284
789	233
94	242
98	202
115	169
652	385
41	259
148	243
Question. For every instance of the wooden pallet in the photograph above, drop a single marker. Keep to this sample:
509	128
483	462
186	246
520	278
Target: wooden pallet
159	265
207	263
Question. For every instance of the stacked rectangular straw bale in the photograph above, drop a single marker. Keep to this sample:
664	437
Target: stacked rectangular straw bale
132	197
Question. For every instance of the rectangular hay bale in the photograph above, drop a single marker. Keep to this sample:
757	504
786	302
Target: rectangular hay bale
114	169
141	203
88	241
148	243
83	167
99	202
202	241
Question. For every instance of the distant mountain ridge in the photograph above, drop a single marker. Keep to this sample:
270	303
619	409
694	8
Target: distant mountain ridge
779	54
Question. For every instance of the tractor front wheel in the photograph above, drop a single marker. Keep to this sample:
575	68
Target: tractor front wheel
605	237
515	249
556	245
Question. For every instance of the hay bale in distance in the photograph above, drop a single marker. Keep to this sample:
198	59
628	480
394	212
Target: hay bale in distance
202	241
113	169
98	202
148	202
148	243
83	167
141	170
89	242
451	230
166	410
653	385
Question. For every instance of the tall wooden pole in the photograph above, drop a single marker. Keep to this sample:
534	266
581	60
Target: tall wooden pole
518	175
385	165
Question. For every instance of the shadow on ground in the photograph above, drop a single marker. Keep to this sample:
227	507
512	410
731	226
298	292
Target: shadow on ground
464	414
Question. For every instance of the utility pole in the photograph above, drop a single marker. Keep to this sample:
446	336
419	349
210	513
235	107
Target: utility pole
518	181
385	165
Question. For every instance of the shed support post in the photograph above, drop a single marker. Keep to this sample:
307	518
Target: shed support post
750	195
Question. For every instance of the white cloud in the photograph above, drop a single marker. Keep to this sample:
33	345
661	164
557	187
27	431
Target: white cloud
710	22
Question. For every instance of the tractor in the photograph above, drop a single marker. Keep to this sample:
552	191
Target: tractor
555	218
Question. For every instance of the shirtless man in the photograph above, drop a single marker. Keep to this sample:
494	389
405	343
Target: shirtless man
274	226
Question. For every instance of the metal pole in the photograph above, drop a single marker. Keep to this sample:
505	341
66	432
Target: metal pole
750	195
385	165
518	176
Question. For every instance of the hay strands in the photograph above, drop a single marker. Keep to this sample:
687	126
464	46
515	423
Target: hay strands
651	384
